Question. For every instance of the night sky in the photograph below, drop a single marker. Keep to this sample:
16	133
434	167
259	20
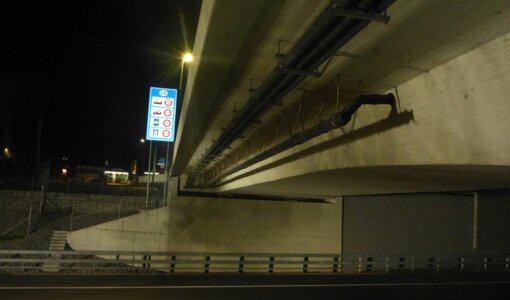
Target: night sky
86	68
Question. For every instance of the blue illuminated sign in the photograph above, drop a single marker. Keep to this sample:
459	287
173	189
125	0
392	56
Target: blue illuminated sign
161	114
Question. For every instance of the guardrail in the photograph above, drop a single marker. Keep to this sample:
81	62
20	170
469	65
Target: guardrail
181	262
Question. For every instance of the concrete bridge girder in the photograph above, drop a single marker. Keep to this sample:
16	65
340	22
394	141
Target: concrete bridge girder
458	131
425	40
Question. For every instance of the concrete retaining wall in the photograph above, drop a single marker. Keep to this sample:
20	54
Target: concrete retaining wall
427	223
493	221
221	225
406	224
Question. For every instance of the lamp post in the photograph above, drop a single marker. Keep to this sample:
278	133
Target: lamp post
140	156
186	58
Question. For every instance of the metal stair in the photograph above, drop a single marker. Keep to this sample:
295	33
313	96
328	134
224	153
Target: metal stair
58	243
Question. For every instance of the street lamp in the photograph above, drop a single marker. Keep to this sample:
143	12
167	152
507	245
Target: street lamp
186	58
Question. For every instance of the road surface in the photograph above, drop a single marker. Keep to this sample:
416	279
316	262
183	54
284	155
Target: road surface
271	286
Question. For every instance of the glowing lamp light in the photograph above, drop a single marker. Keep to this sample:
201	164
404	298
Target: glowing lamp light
142	141
115	173
187	57
64	172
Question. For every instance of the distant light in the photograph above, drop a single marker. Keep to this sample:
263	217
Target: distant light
142	141
64	172
187	57
116	173
7	152
64	158
151	173
133	167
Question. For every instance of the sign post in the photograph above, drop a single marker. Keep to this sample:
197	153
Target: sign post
148	176
161	123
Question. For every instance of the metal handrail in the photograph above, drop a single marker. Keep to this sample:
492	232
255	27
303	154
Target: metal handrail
135	261
14	227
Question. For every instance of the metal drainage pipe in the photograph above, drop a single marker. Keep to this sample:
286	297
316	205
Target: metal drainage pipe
336	120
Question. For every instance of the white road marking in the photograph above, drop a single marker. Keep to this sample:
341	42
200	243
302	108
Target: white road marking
249	286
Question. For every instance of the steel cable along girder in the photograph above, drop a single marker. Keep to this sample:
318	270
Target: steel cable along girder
325	36
336	120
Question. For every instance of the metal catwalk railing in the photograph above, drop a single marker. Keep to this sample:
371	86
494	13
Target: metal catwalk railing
86	262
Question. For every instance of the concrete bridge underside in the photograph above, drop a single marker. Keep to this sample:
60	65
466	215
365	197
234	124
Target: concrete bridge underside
446	63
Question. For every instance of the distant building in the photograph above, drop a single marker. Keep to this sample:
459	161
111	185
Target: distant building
116	177
89	174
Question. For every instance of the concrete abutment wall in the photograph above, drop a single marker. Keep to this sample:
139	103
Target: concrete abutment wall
191	224
413	223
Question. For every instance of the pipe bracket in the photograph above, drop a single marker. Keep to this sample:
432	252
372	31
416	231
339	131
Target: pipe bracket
356	14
